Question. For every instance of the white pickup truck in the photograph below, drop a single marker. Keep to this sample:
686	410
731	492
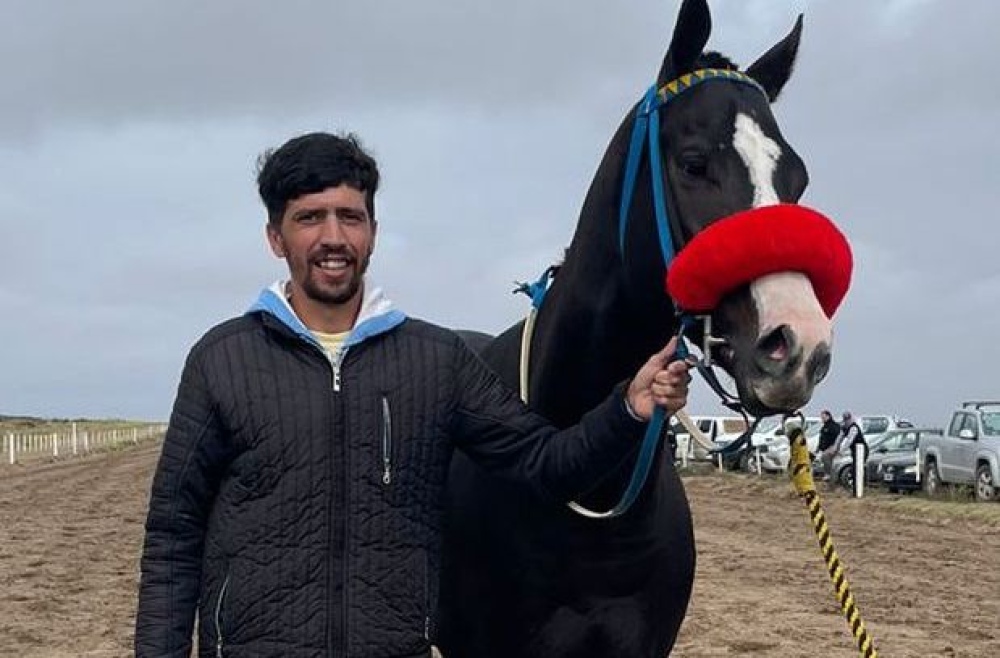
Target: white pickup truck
968	453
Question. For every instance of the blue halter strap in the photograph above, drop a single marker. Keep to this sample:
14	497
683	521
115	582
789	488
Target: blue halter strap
646	129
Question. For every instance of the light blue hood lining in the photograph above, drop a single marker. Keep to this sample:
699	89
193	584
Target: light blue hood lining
377	315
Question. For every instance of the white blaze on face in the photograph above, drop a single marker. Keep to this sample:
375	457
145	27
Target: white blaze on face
760	154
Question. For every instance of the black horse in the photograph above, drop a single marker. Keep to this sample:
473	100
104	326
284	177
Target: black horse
527	579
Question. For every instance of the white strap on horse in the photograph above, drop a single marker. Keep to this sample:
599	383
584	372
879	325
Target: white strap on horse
526	334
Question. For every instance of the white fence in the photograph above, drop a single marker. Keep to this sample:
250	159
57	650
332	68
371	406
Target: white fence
71	442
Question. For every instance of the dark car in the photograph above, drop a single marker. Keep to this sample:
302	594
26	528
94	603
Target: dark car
902	442
900	472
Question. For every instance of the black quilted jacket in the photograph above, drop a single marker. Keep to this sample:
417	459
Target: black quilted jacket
297	504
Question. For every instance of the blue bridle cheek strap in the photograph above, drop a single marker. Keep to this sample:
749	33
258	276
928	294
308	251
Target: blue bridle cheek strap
659	195
639	128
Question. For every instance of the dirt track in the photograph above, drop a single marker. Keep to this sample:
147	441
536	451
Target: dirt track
927	577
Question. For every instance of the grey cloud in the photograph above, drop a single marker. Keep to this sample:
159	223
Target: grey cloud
128	133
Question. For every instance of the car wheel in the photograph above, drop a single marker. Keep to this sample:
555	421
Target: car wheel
748	463
846	477
932	481
986	489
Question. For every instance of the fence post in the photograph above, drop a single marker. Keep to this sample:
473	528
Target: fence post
86	441
55	444
135	435
75	452
10	446
919	465
859	470
760	471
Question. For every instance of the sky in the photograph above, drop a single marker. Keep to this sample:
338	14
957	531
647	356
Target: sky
129	132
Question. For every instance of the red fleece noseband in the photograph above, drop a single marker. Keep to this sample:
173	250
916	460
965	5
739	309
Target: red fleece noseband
748	245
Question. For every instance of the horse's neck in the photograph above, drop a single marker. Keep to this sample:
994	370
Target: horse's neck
590	334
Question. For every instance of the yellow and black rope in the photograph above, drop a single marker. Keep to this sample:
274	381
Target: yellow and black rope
801	472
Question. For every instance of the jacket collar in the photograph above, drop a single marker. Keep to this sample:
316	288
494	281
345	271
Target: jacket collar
377	315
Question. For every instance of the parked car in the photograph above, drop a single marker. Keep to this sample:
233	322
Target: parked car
900	472
771	443
968	452
716	431
892	444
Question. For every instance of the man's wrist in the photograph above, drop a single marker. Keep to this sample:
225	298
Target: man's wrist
632	412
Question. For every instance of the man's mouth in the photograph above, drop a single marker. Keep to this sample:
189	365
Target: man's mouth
334	263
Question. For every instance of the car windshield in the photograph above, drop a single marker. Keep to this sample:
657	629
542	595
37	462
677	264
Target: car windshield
768	424
874	425
991	423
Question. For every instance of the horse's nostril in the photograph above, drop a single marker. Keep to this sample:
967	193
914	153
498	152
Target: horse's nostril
777	352
776	344
819	363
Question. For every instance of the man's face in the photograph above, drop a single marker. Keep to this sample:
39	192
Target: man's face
327	240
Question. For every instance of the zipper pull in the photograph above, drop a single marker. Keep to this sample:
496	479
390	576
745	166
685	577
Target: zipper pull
336	378
386	476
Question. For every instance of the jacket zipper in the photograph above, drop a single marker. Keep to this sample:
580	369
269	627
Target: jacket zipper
386	442
336	360
338	640
218	617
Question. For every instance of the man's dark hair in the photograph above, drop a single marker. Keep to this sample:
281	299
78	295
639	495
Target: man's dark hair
312	163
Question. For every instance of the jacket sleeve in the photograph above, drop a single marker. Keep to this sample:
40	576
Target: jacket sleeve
180	500
494	427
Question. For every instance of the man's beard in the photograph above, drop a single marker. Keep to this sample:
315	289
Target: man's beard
341	294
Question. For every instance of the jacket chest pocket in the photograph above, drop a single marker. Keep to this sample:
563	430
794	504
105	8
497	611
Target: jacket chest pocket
404	442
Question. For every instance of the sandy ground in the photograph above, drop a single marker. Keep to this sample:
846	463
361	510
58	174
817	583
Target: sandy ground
926	575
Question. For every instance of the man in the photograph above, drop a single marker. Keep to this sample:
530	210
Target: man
828	434
851	436
296	506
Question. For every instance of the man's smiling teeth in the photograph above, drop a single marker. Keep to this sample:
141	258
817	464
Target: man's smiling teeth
333	263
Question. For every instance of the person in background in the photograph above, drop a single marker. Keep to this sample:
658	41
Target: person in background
851	436
828	434
296	508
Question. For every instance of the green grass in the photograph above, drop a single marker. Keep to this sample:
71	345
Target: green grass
27	425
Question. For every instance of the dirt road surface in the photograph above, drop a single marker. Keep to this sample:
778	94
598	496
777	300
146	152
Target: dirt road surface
925	574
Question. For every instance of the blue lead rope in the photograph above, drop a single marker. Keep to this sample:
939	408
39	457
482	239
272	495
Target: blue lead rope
647	451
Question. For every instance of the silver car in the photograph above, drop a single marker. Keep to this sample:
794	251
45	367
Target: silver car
891	444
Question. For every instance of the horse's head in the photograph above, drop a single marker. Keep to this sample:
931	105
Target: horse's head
722	152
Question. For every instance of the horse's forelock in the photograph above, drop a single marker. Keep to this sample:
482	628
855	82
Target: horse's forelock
711	59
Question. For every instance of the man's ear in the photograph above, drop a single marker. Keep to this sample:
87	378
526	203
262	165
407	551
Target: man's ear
274	240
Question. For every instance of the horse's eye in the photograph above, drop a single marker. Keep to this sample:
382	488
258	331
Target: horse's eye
694	166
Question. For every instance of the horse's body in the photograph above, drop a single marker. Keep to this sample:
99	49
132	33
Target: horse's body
530	579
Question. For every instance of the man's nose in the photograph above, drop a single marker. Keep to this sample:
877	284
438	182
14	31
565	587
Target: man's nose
333	232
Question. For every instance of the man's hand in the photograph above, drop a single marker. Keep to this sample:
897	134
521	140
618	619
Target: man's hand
660	382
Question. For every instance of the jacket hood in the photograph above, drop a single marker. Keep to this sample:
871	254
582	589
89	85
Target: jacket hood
377	315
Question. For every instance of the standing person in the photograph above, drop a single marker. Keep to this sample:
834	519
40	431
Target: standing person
828	434
297	504
851	435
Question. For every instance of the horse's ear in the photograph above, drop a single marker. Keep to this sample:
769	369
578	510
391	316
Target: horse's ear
774	67
694	24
